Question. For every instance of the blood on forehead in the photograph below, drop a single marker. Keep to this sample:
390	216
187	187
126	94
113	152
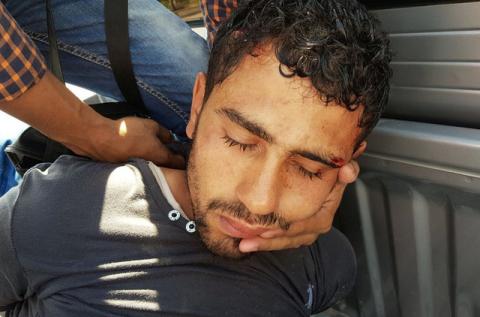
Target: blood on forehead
339	162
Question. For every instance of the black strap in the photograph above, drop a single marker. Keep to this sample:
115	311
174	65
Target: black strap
116	30
53	54
117	36
117	110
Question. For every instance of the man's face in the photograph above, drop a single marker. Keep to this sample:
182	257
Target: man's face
266	152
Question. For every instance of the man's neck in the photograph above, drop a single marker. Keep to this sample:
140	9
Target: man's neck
177	182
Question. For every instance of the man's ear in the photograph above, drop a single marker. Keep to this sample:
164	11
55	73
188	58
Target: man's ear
197	103
361	148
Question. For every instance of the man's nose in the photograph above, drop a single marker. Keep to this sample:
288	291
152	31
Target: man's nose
259	190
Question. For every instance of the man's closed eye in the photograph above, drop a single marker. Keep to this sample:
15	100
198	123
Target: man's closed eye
243	146
250	147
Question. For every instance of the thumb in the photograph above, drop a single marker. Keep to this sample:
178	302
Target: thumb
348	173
334	198
162	156
161	132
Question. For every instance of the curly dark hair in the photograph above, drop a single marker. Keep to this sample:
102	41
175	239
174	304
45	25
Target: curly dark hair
335	43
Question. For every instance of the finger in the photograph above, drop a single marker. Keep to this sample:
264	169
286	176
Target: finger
175	161
172	161
161	132
317	224
164	157
322	220
259	244
272	233
333	200
348	173
362	147
335	195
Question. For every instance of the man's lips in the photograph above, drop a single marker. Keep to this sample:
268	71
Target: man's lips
239	229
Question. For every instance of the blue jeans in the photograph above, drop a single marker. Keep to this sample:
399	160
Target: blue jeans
166	55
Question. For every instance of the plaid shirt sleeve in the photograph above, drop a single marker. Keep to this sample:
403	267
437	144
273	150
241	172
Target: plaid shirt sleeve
214	13
22	65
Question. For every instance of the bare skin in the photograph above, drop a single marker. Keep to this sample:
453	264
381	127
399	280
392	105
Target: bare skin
86	133
302	232
305	232
265	168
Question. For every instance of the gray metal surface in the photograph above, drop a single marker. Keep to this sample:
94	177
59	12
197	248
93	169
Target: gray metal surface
436	63
446	17
435	153
414	215
414	219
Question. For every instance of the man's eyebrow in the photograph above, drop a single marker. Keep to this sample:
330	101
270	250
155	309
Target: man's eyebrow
253	127
321	158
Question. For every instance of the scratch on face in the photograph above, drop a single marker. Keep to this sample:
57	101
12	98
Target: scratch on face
339	162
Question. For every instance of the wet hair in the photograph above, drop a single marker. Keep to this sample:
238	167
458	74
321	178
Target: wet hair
335	43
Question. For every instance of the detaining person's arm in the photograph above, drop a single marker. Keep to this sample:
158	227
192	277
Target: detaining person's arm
52	109
29	92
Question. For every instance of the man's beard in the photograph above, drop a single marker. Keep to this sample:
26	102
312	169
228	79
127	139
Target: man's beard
215	241
223	246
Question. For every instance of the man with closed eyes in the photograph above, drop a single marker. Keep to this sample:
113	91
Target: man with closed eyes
292	90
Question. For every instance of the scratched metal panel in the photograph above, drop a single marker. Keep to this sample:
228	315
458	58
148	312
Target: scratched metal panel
414	219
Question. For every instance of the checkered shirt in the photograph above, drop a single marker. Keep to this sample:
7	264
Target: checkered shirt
214	13
22	65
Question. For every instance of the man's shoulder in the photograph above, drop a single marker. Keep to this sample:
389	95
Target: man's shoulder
72	191
321	273
69	165
335	267
328	267
74	174
71	181
63	204
61	215
330	248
